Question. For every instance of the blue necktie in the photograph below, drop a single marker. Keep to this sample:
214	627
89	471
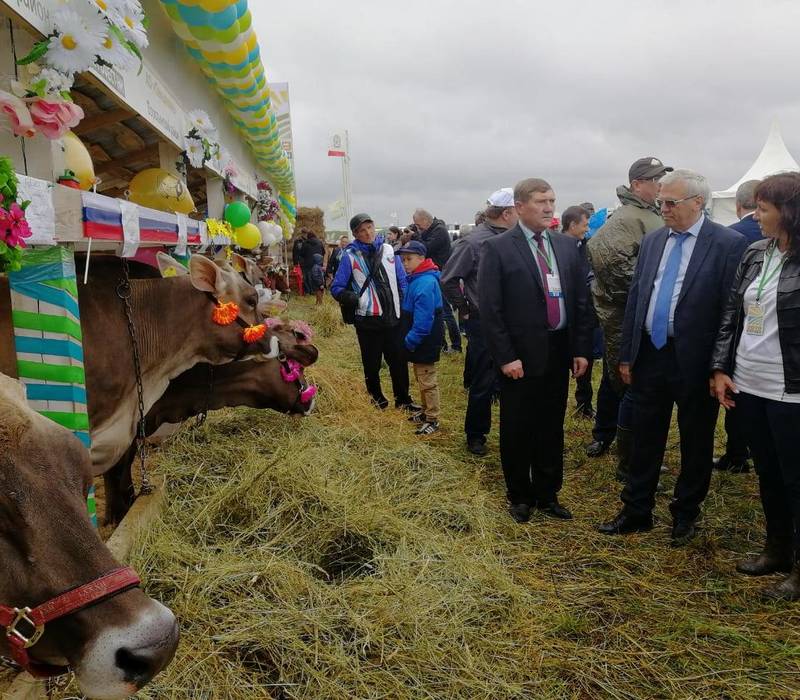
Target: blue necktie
658	333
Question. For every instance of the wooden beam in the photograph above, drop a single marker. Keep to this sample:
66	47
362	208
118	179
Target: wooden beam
98	121
149	153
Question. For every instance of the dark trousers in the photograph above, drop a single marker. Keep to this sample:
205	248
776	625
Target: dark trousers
736	448
450	325
606	417
532	413
384	343
483	380
771	430
584	391
658	385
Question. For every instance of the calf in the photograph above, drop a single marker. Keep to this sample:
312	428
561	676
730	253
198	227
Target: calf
48	547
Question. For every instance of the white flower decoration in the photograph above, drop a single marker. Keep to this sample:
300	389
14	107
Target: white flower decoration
106	7
77	43
56	82
117	54
195	152
202	122
129	17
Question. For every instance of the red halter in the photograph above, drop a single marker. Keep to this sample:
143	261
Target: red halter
25	626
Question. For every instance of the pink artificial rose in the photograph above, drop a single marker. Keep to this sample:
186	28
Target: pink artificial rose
70	114
46	118
18	115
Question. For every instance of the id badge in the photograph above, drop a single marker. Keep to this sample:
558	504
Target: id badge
754	324
554	286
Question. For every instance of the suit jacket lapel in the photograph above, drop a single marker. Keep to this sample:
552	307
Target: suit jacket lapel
701	248
561	254
521	242
650	272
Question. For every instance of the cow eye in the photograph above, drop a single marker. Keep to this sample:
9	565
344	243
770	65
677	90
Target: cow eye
252	301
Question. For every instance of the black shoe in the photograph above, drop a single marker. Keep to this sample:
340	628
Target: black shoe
625	524
682	532
585	410
554	509
477	446
597	448
417	418
726	464
381	402
521	512
409	406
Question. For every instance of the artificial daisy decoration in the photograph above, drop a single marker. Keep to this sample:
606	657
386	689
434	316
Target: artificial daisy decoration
128	15
202	122
72	49
115	53
195	151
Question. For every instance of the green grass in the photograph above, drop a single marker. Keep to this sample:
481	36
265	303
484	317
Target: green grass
340	556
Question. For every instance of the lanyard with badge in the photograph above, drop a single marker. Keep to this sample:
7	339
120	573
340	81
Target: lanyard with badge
754	324
553	280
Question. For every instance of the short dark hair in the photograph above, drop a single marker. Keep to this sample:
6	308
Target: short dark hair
572	215
525	188
745	194
394	229
494	212
783	192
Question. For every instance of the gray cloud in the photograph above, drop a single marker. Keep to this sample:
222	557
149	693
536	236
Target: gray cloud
447	101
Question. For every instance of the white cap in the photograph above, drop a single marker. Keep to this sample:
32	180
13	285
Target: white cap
502	198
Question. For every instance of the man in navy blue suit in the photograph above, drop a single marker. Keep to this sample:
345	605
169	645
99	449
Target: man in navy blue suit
736	457
683	276
745	208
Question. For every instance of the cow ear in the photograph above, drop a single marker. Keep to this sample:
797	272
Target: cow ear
205	274
169	267
238	262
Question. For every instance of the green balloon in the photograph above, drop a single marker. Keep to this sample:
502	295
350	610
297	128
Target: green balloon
237	214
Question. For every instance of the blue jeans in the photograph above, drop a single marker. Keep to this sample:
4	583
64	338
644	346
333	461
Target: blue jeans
483	383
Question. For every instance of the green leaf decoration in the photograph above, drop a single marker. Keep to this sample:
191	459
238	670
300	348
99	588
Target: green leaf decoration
39	49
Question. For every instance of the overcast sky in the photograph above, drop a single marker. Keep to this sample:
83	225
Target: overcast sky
447	101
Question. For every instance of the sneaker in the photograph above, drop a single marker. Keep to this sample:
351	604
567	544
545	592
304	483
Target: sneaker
418	417
427	428
381	402
408	406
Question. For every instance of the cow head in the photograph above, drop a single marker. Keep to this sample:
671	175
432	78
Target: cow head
223	285
48	546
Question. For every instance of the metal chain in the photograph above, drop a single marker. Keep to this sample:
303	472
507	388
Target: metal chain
201	417
124	293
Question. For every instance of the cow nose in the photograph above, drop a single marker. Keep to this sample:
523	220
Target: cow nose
139	665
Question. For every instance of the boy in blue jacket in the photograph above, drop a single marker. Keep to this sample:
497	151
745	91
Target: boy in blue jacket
423	330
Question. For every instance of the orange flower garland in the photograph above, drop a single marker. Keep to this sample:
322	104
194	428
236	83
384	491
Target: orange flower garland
225	313
253	334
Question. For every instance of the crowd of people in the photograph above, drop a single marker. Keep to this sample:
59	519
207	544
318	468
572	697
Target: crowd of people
683	312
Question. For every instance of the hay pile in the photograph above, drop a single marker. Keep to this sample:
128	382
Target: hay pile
341	557
311	218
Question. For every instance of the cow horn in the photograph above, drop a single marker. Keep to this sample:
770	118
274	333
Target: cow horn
274	348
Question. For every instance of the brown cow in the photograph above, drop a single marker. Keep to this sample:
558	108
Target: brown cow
244	383
48	546
175	331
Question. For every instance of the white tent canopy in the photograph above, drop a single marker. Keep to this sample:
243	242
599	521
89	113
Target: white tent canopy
774	158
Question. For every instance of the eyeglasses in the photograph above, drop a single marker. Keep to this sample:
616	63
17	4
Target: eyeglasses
661	203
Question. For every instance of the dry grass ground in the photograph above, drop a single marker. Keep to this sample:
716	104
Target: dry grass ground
340	556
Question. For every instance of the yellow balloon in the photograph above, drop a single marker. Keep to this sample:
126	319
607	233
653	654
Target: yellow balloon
248	236
78	160
158	189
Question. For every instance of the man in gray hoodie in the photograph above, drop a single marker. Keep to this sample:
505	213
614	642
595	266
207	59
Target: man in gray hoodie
462	268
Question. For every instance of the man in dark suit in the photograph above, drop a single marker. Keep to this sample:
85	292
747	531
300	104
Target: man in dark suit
736	457
683	276
536	322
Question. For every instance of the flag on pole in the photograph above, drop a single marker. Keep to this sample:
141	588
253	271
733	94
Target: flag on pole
337	148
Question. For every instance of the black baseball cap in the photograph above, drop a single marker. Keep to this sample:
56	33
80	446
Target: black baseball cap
647	169
357	220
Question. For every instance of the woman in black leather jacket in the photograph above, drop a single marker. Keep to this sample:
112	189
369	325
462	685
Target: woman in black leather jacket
756	367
